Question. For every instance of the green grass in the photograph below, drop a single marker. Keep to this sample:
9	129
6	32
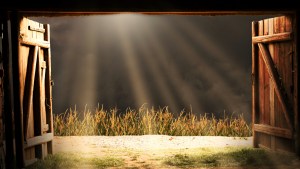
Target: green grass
229	157
174	158
69	160
148	121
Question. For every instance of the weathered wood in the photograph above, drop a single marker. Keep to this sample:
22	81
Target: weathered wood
279	37
45	128
38	140
32	28
296	75
48	87
25	53
18	87
274	131
29	86
278	88
8	113
254	82
38	129
272	94
33	42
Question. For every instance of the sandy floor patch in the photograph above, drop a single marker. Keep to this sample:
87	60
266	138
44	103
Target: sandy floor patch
95	143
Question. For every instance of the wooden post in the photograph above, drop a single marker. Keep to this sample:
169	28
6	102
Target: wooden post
48	86
8	113
254	83
296	27
18	105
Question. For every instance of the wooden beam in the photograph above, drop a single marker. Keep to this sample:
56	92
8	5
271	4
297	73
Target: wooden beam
279	89
254	82
274	131
48	89
37	140
32	42
29	86
32	28
18	105
273	38
296	75
7	87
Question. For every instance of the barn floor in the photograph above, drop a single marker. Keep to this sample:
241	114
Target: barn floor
149	151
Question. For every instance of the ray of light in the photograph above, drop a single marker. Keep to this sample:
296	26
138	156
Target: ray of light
209	72
170	70
130	58
155	67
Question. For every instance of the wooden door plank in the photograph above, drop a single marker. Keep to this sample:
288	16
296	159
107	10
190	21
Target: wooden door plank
278	88
18	105
272	95
8	112
38	140
274	131
29	86
48	87
255	101
37	111
34	42
279	37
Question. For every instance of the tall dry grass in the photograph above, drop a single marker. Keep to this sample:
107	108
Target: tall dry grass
148	121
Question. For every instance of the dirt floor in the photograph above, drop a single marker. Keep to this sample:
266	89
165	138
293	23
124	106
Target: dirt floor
144	151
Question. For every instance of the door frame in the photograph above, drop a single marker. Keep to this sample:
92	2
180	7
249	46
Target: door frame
10	12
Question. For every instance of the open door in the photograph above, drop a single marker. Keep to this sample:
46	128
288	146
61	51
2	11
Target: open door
33	99
275	84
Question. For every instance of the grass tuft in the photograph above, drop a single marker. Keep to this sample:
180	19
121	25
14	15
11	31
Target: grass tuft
70	160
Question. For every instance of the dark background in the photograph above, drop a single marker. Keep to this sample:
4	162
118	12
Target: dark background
186	62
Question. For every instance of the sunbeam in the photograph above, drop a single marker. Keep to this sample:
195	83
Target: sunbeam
130	58
219	91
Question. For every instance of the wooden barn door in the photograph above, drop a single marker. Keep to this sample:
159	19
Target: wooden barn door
35	95
274	84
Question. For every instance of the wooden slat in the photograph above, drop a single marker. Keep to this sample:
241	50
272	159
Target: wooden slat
272	93
48	89
32	42
32	28
278	88
274	131
37	140
38	106
17	86
254	82
296	76
7	86
29	86
45	127
273	38
43	65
